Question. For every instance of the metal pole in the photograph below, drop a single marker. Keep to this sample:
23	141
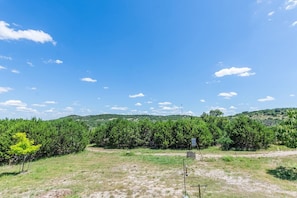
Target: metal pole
185	189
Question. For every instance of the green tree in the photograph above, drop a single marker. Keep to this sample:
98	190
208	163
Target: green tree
24	147
287	131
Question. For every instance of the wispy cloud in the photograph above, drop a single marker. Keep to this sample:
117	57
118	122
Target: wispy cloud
2	67
38	105
239	71
136	95
170	108
138	104
270	13
119	108
294	23
69	109
50	102
202	100
266	99
18	103
5	57
290	4
227	95
30	64
26	109
15	71
7	33
57	61
105	87
164	103
87	79
33	88
292	95
232	107
5	89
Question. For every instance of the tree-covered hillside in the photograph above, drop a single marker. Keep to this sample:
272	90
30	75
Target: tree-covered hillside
268	117
95	120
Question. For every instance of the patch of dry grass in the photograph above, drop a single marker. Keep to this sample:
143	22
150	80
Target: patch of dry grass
143	173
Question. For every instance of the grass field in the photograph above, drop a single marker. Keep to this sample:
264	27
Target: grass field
152	173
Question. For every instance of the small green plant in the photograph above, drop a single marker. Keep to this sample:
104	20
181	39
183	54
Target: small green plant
23	148
228	158
285	173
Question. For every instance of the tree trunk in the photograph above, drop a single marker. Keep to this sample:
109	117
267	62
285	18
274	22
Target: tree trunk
23	163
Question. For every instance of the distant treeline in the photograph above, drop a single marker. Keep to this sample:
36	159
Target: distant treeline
57	137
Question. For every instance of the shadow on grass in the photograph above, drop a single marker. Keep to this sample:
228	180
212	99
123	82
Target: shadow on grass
9	173
285	173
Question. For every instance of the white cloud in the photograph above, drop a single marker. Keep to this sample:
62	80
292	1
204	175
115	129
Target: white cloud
33	88
227	95
291	4
239	71
38	105
292	95
30	64
57	61
136	95
105	88
7	33
2	67
232	107
168	108
294	23
15	71
202	100
266	99
270	13
119	108
164	103
69	109
138	104
5	57
87	79
18	103
5	89
26	109
149	102
50	102
52	110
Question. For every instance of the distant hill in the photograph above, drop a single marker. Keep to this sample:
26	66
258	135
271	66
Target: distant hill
94	120
269	117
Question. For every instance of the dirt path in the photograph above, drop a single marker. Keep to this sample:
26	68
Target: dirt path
199	155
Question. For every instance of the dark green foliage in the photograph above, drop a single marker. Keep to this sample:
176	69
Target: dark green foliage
286	132
121	133
57	137
243	133
285	173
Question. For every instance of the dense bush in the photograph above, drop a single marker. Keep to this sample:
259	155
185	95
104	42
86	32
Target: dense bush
243	133
57	137
240	133
286	132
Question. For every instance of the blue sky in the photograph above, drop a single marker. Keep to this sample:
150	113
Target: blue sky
65	57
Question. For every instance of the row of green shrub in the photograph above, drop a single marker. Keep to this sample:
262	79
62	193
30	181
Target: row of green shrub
240	133
57	137
64	136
